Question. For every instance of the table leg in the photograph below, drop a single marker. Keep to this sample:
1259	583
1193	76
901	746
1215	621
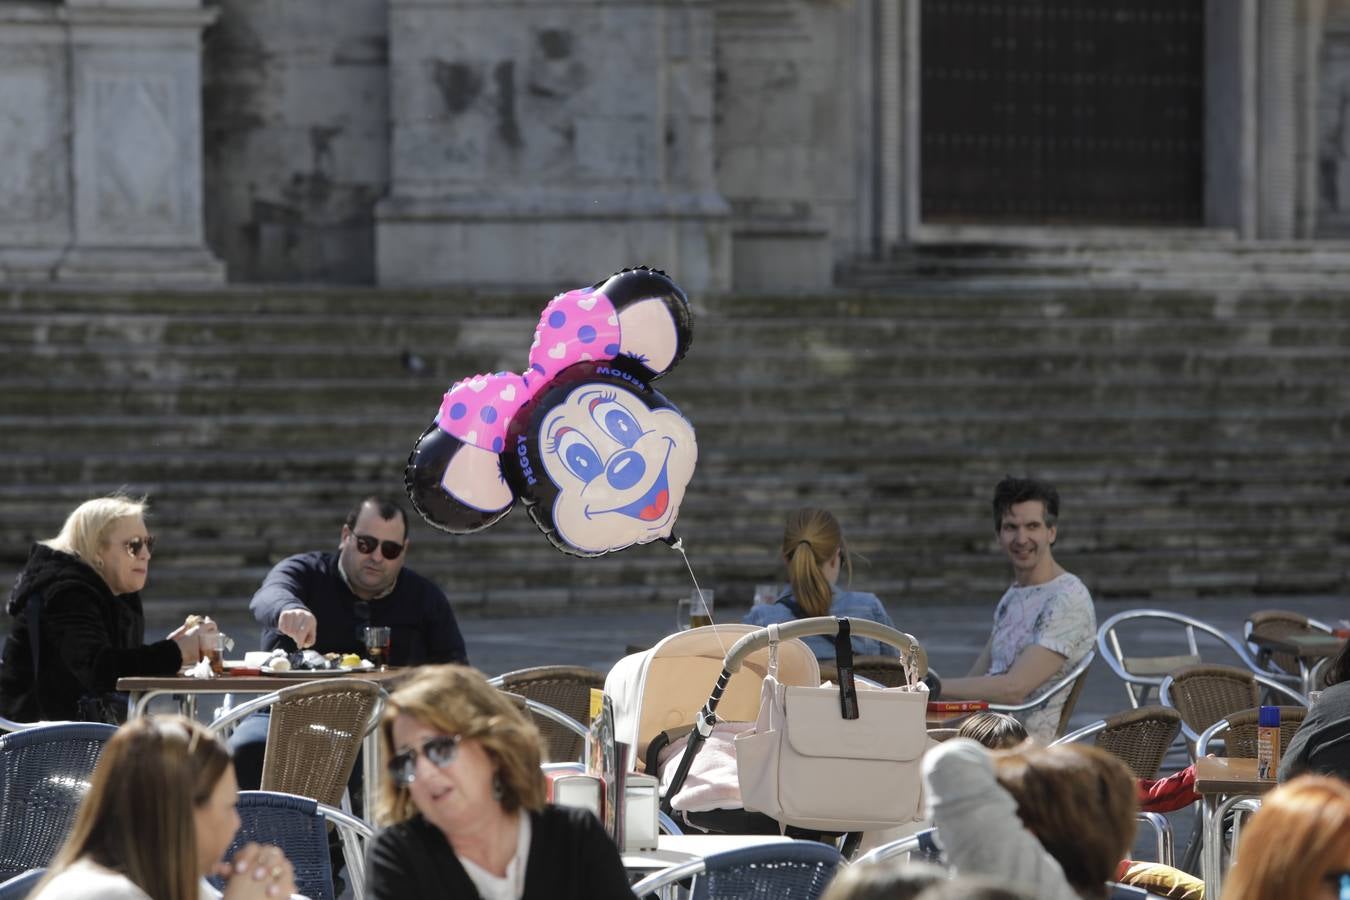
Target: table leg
373	770
1208	871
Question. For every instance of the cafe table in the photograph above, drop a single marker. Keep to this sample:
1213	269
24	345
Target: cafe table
1222	783
1307	648
676	849
142	689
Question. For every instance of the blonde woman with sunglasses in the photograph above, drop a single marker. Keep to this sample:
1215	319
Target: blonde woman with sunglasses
78	625
463	799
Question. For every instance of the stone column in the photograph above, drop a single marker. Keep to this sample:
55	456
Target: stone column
135	82
550	142
35	220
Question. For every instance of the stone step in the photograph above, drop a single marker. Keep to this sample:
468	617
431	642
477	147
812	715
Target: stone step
418	399
717	429
295	334
1007	300
858	360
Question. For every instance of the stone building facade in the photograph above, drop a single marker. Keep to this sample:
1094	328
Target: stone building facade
745	144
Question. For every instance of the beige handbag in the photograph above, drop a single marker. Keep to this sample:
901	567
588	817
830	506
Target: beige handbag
807	765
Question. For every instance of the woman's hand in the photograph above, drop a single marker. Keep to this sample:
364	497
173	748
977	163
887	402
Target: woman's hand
195	638
258	871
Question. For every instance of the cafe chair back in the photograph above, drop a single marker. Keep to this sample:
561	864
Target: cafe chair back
1204	694
1279	623
795	870
299	826
44	775
541	714
919	846
314	734
1138	737
1143	673
887	671
566	689
943	734
1238	732
20	886
1072	682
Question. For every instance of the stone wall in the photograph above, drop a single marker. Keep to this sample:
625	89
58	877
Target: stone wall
1333	120
297	137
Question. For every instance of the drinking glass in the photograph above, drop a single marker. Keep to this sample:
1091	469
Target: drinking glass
700	613
377	646
684	612
215	649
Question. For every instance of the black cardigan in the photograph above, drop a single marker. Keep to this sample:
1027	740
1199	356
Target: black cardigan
89	639
571	858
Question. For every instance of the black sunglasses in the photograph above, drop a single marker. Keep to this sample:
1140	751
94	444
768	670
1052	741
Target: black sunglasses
135	544
440	752
388	549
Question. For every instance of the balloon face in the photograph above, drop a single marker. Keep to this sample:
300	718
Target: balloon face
602	460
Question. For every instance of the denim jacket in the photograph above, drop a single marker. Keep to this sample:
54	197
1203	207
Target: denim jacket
853	604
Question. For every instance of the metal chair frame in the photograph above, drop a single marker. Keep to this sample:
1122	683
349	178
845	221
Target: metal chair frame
20	886
763	855
558	688
1071	680
1137	686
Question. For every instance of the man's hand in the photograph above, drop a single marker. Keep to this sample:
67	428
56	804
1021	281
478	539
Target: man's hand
299	625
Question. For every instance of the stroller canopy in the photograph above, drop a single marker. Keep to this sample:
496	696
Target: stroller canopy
666	686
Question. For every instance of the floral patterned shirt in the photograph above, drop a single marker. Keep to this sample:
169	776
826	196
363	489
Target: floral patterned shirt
1058	616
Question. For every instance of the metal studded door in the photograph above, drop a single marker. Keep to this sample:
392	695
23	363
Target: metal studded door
1062	111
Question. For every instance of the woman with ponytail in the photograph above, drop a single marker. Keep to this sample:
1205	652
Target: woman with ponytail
814	553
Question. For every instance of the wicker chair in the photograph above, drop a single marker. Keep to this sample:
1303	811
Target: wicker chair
314	735
1239	732
1143	674
943	734
564	688
1139	737
1278	623
299	826
888	671
797	870
44	775
1205	694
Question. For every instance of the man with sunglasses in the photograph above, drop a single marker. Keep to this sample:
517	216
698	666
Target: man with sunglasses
324	601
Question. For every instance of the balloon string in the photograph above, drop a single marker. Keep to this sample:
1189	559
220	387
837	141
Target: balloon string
677	543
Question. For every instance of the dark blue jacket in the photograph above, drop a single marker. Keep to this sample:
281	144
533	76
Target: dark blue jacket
422	625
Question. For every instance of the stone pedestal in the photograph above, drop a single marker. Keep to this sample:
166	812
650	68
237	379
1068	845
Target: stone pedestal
550	142
102	136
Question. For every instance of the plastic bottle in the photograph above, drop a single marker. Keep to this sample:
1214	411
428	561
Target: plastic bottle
1268	742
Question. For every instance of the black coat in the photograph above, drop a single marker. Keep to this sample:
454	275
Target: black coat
1322	742
89	638
571	858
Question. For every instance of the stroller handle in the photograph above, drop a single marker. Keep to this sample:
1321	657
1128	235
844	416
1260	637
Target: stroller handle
911	651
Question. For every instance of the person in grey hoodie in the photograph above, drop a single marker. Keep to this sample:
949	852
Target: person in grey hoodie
1051	821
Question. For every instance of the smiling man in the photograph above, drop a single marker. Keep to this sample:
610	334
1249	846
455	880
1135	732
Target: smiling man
1044	623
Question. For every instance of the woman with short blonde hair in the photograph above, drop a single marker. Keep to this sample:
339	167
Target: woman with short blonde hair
157	819
463	799
78	622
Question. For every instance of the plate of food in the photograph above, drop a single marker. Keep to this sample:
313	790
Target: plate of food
309	664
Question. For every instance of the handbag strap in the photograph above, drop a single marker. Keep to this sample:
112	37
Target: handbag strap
843	658
773	651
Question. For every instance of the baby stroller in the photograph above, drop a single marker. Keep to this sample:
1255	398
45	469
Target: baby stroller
660	695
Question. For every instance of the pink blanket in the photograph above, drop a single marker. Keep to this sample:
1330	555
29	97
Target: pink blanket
712	782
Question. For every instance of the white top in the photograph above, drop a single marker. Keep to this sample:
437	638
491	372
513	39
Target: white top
510	886
87	880
1058	616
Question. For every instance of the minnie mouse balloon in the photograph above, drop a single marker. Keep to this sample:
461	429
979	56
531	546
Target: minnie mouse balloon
599	457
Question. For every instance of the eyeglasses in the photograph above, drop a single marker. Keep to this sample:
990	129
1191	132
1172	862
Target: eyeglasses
1340	881
388	549
135	544
440	752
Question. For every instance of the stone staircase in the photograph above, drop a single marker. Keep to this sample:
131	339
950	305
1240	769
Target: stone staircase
1195	434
